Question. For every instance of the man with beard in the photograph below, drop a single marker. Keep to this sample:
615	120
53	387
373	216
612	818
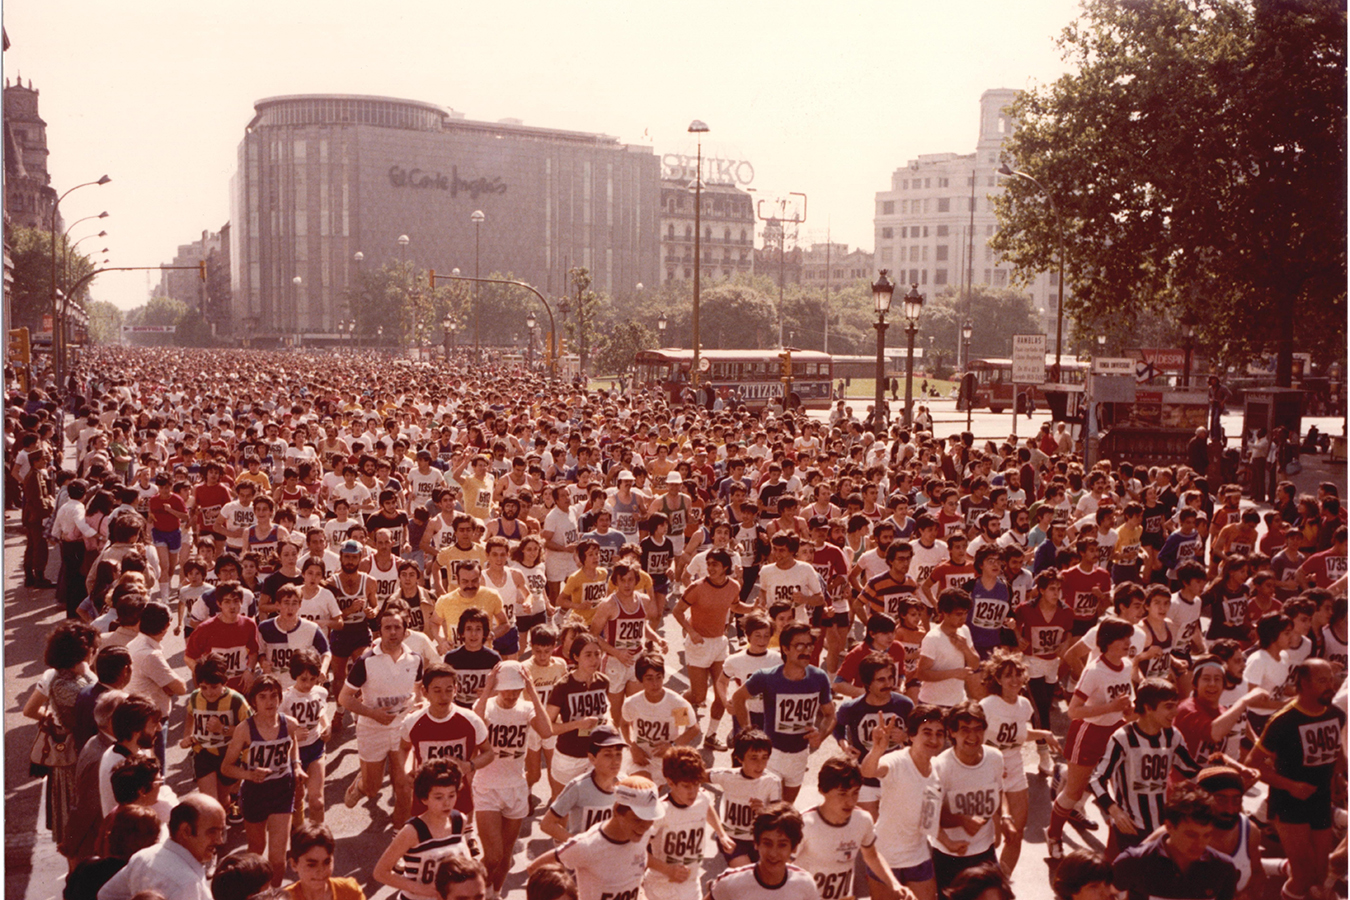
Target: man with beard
1019	530
508	524
1234	833
135	726
1301	751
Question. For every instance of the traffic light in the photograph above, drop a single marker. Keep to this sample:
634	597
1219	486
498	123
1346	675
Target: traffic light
431	278
20	351
201	269
785	364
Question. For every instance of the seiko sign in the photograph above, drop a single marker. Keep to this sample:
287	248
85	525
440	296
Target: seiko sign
677	166
420	179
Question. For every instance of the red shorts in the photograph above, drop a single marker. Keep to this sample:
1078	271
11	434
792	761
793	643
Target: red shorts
1085	744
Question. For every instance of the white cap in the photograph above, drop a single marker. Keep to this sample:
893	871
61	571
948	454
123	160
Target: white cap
644	801
510	676
625	475
674	478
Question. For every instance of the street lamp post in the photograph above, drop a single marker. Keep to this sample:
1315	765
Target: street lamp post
58	320
699	128
913	307
967	328
379	337
530	322
1008	172
1188	337
403	241
445	334
661	329
881	297
297	280
477	218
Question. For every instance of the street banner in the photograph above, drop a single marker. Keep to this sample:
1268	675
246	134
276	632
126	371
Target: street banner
1028	359
1112	365
149	329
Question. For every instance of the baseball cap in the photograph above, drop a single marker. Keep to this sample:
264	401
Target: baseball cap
818	522
510	676
644	802
604	736
353	547
674	478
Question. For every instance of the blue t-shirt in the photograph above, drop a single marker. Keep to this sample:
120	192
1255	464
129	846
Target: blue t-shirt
856	719
611	542
988	609
790	707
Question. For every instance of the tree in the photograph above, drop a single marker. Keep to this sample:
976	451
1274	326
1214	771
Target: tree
30	251
158	311
617	348
1197	161
105	322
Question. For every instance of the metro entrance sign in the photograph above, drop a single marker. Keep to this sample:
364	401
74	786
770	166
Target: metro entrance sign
1028	359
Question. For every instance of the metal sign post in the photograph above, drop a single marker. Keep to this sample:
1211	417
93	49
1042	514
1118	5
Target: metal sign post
1028	367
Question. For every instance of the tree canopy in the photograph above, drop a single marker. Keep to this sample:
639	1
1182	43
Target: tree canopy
1197	159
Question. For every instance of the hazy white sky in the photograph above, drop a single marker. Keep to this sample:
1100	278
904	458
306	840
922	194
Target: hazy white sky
823	98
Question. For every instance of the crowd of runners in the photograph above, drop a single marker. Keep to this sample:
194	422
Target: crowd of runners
487	582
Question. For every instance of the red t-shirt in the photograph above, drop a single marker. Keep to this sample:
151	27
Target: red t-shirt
454	738
210	498
949	575
1324	567
1078	586
1044	635
848	669
1195	722
233	640
160	517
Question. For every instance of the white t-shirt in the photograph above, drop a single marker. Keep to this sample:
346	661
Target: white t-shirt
830	852
738	816
1100	683
744	884
938	647
739	666
910	811
1266	672
659	722
1008	722
971	791
679	838
926	559
605	869
507	730
308	710
322	607
564	530
1185	617
781	585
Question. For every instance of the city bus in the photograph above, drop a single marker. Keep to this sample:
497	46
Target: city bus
994	385
753	376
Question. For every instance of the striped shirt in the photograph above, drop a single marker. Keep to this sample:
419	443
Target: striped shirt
883	593
1136	767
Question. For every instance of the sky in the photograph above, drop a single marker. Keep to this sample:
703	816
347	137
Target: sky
822	98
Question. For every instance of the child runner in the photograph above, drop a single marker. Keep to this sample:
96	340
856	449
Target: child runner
412	858
575	707
501	795
212	713
778	834
836	833
263	755
858	718
286	634
588	798
545	670
656	719
306	701
675	852
911	796
311	856
745	792
1009	716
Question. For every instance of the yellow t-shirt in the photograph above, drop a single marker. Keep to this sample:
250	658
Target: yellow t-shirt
586	592
1126	551
452	605
452	556
478	496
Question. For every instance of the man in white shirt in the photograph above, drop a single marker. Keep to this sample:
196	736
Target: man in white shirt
177	867
151	675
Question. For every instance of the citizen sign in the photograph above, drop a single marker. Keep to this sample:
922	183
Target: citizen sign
422	179
715	171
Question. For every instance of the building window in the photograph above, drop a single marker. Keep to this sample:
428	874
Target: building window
925	253
670	232
944	204
913	276
942	231
914	253
923	277
742	237
904	231
904	185
886	254
927	183
726	235
939	276
888	232
942	182
941	255
988	276
989	230
888	208
1054	279
1000	277
688	232
925	231
670	274
991	181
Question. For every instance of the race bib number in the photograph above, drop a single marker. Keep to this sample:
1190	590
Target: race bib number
1235	611
1336	566
796	713
394	703
739	819
929	808
975	803
1045	641
471	684
592	594
989	613
269	756
1321	742
834	885
429	750
306	712
212	728
651	733
484	500
1084	605
625	523
586	704
1007	735
508	740
629	633
235	657
684	847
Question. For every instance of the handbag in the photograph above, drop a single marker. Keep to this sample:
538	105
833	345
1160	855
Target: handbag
53	747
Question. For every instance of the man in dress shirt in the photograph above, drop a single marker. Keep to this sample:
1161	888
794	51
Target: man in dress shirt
177	867
70	528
